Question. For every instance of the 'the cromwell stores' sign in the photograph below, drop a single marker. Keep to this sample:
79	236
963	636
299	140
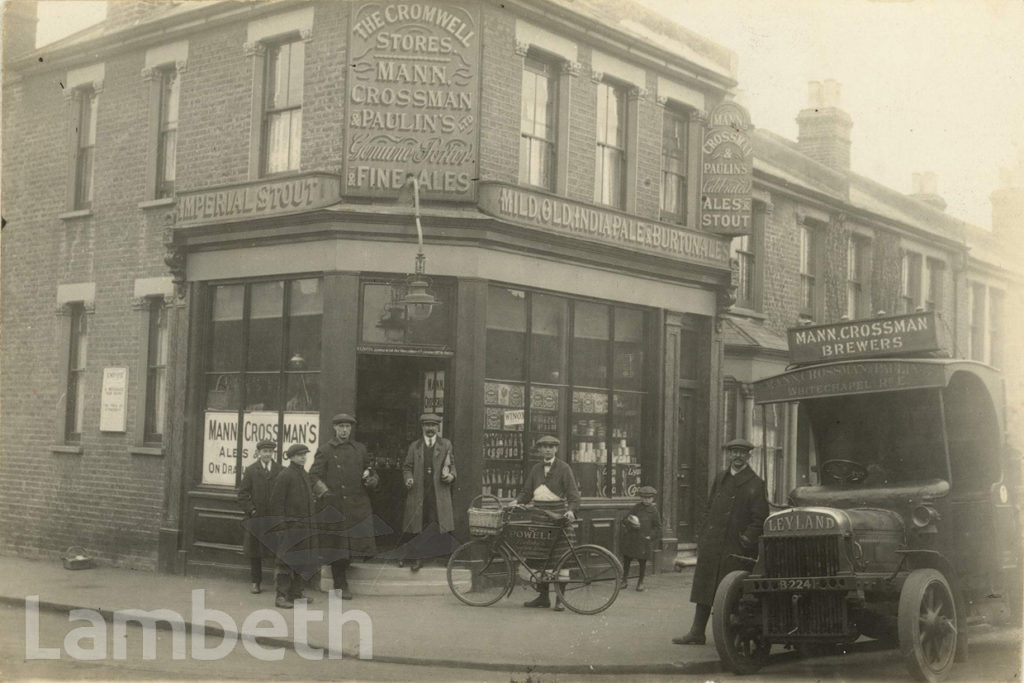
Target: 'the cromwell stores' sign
413	91
261	199
726	172
575	219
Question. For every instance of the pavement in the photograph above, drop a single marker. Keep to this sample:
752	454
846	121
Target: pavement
633	636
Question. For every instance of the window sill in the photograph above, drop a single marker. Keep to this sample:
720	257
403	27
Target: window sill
66	449
157	451
71	215
156	203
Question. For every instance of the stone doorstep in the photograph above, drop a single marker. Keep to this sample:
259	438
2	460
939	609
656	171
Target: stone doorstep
388	579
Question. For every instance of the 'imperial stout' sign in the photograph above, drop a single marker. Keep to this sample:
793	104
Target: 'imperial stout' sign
562	216
726	166
261	199
413	89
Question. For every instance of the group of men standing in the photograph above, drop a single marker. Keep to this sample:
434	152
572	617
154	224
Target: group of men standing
325	516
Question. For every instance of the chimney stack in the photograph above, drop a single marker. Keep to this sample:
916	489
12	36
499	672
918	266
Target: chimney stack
19	28
126	13
1008	204
926	189
825	128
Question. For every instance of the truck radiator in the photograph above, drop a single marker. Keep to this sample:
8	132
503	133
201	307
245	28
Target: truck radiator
805	614
799	556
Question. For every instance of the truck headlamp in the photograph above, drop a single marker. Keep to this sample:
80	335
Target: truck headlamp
924	515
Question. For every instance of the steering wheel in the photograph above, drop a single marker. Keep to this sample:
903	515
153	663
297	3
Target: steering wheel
844	471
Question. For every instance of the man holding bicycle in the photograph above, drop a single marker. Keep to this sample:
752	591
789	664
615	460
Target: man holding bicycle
551	486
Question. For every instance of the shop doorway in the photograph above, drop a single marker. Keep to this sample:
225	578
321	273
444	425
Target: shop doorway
392	392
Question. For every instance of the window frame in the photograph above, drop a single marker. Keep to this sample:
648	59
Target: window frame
269	113
858	276
548	70
155	394
996	321
978	321
931	284
568	386
75	377
619	148
910	280
810	262
682	118
167	77
85	100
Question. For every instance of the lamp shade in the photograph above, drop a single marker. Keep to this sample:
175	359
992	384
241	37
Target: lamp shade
418	301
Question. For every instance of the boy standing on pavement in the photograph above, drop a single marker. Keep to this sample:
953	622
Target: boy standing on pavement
292	504
254	499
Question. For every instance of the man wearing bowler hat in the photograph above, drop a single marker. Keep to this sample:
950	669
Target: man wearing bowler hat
291	503
254	499
551	484
342	477
429	471
737	508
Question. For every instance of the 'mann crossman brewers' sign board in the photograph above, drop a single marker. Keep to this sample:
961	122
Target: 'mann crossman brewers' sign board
413	91
902	334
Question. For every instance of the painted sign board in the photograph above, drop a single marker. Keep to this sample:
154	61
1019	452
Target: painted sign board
902	334
727	162
570	218
113	400
261	199
220	439
413	91
853	377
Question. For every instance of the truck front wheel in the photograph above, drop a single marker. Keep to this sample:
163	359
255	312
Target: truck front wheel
927	625
737	632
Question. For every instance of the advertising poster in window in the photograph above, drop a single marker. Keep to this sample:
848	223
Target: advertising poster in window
413	93
220	440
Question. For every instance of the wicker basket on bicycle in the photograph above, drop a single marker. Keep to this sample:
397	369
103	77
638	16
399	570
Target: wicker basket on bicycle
485	516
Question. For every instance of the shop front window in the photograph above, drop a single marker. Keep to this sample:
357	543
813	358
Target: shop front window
262	372
584	387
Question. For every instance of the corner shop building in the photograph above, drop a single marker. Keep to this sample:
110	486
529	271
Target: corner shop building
571	302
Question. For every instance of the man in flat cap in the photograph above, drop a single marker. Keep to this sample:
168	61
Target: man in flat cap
552	484
254	499
291	502
429	471
737	508
342	477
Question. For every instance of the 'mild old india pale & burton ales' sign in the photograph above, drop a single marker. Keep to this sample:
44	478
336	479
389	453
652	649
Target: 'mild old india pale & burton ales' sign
727	162
413	89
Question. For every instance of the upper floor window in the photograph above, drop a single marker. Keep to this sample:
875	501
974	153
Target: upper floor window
808	271
995	328
610	170
934	272
538	128
674	143
282	113
910	289
79	347
743	254
85	147
167	137
857	277
156	371
977	351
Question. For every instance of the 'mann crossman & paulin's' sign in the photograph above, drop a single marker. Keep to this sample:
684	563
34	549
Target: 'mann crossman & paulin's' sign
576	219
294	194
911	333
413	89
727	162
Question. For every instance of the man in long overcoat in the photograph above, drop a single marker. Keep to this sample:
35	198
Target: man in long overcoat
341	475
254	499
737	508
429	471
291	503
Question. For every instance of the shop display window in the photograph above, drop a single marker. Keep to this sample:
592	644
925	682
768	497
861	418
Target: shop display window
262	372
568	391
385	322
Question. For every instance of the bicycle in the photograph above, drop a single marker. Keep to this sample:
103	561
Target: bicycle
484	570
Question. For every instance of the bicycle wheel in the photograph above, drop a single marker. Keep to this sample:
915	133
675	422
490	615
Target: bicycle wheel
480	572
588	579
